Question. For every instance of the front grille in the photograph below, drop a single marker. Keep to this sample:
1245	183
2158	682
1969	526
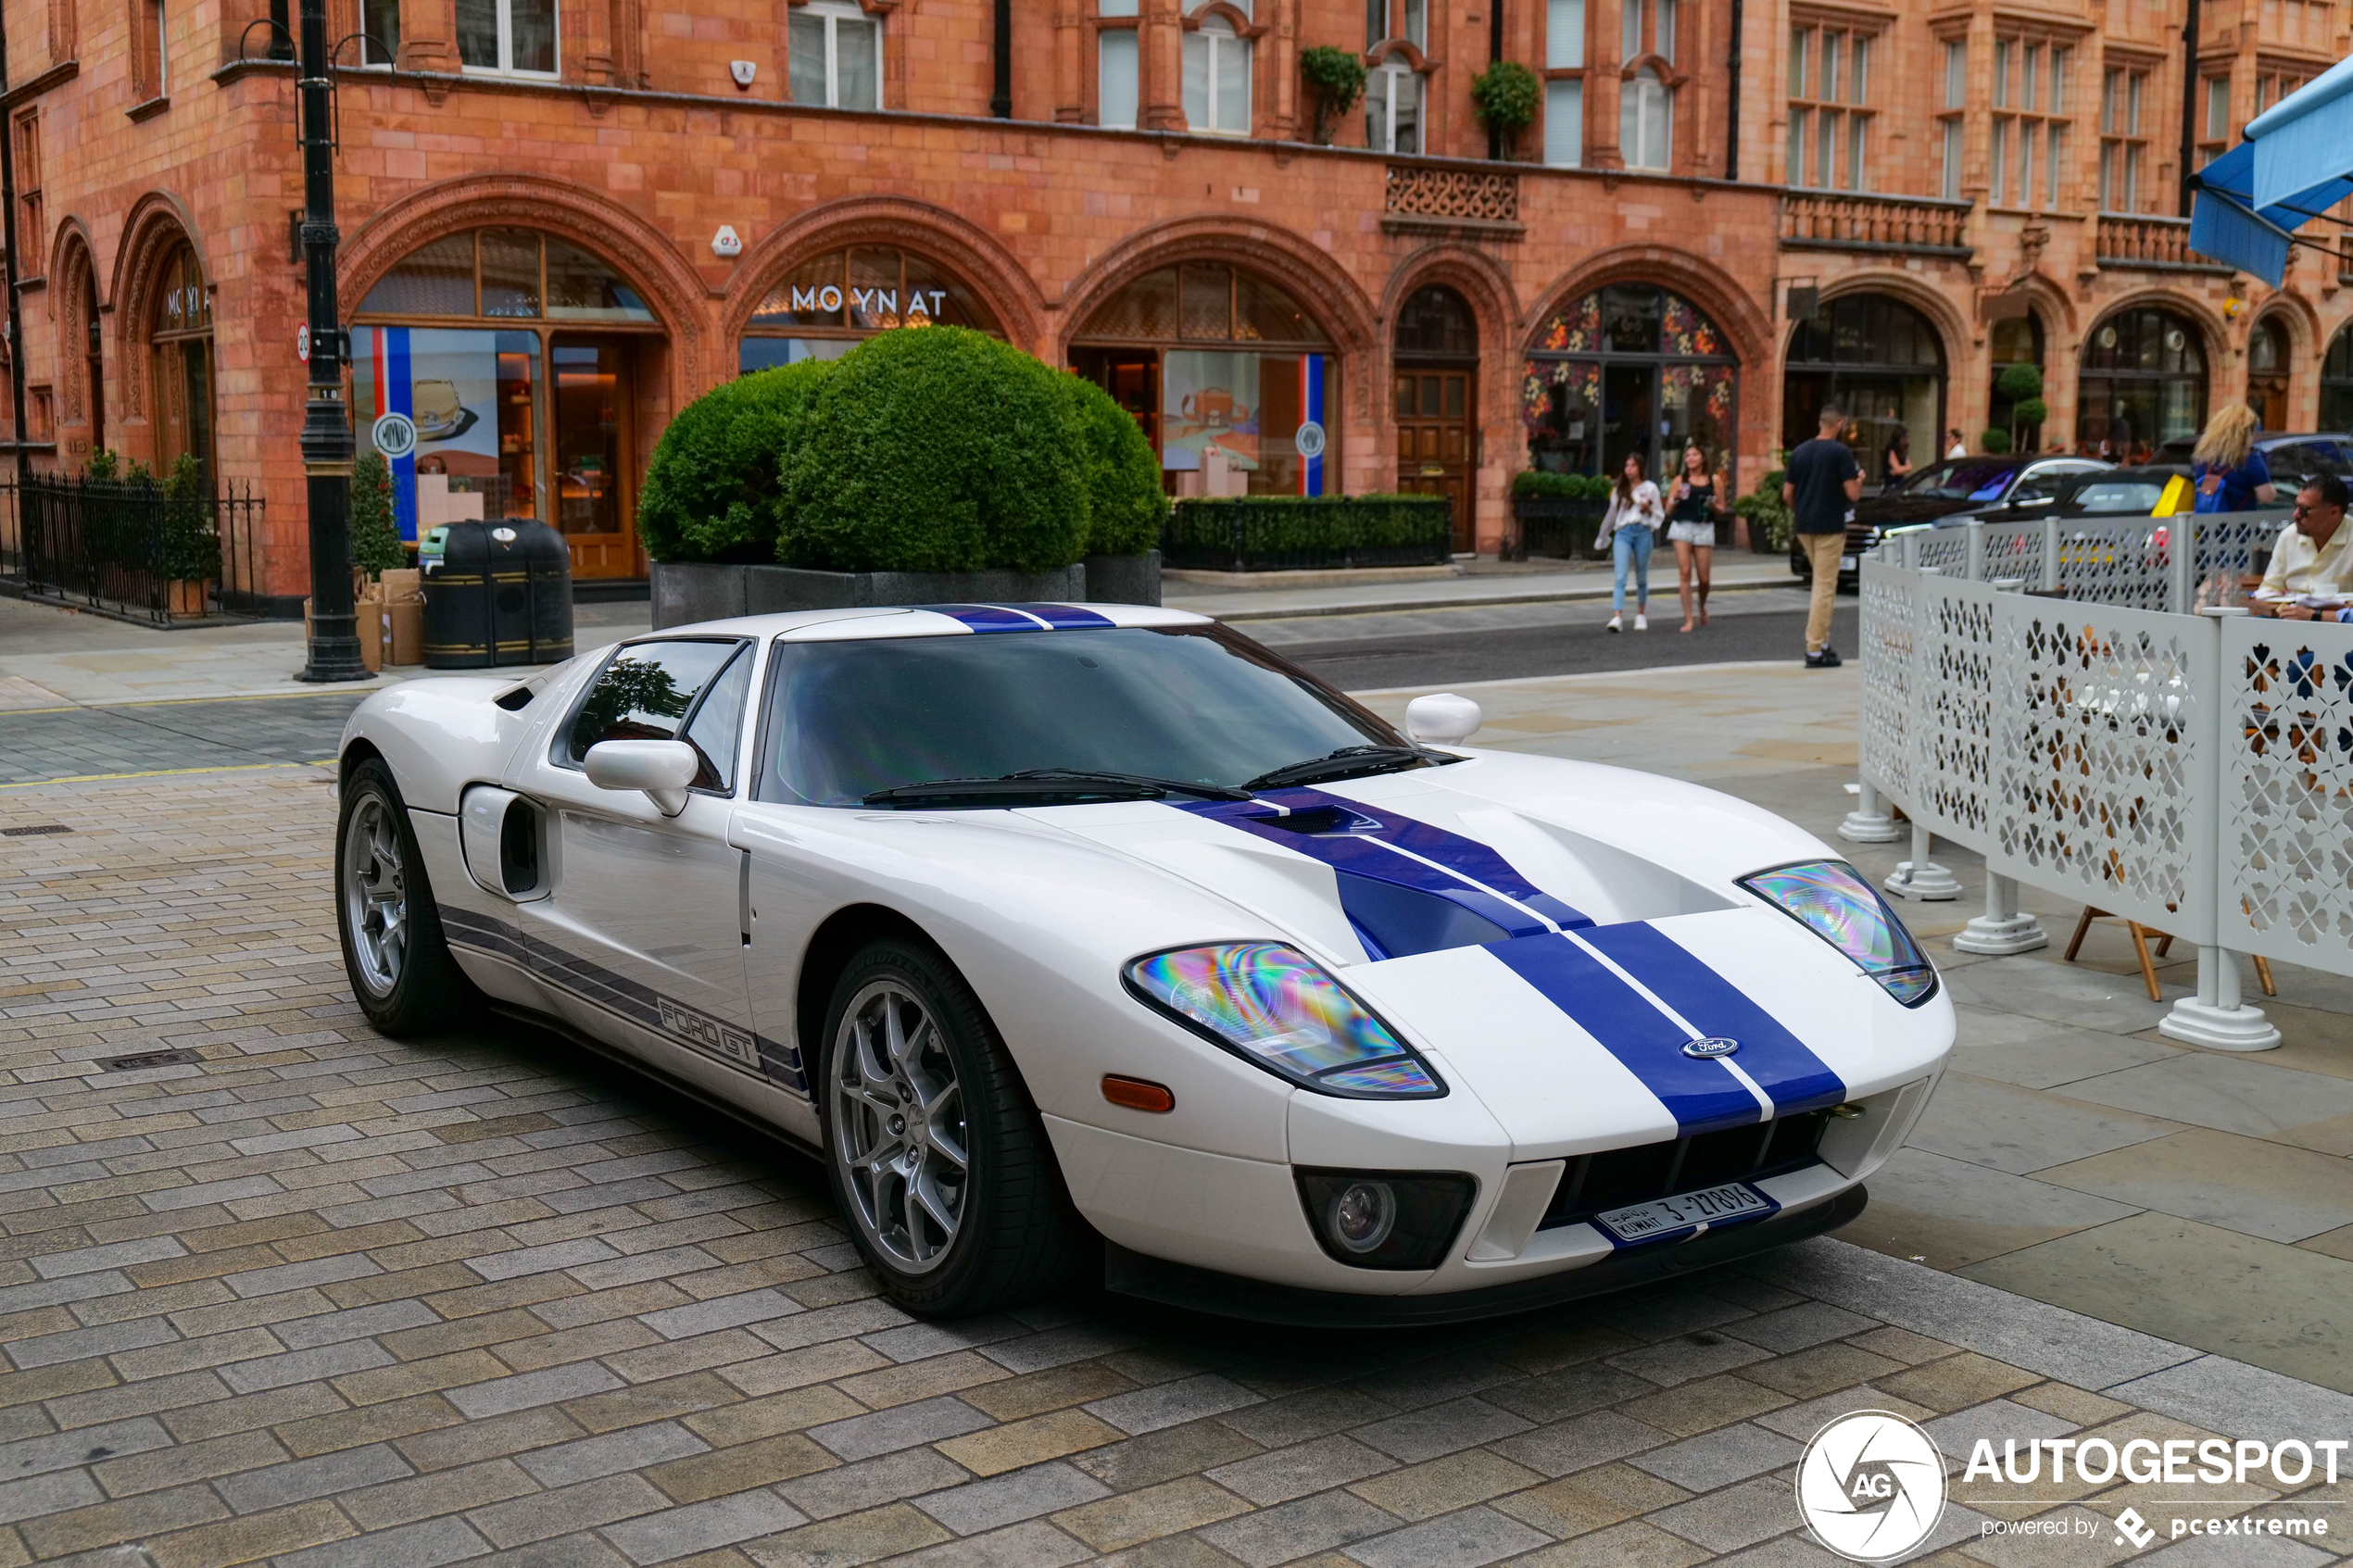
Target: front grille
1616	1177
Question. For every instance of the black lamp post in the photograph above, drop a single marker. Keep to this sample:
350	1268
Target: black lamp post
327	444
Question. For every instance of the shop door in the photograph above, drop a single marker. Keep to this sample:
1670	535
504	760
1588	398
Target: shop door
594	504
1629	404
1434	441
2268	396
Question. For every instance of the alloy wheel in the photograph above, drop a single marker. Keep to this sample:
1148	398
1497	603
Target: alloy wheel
899	1133
376	895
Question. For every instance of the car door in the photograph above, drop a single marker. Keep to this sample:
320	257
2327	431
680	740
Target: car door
640	939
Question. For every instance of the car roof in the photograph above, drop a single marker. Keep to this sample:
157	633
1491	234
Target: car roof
933	620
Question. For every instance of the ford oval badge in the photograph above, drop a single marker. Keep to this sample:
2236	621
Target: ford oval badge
1710	1048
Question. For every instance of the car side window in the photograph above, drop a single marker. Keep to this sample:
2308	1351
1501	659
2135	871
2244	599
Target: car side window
2038	489
717	727
648	692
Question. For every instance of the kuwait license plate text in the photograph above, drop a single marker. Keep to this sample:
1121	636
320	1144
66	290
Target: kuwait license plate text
1708	1206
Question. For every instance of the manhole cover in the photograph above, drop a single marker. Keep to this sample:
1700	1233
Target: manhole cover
35	831
145	1060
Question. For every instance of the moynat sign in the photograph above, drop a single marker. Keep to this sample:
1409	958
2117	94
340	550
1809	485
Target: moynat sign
828	298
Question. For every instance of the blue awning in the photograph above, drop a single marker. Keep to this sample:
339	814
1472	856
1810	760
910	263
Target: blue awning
2295	163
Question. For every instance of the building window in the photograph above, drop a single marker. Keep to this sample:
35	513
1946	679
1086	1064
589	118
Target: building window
1565	83
1628	370
180	358
1235	384
380	32
2336	383
1830	117
1878	360
829	304
2271	87
2123	143
1217	79
32	233
2142	383
2029	135
515	36
1393	107
1389	21
1118	91
2017	340
836	56
1646	122
2214	124
150	57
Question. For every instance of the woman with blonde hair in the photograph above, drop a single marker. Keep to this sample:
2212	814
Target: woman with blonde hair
2229	474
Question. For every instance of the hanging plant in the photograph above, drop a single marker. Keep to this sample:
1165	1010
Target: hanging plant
1335	79
1506	96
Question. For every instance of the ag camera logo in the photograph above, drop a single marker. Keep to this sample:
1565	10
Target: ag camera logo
1871	1487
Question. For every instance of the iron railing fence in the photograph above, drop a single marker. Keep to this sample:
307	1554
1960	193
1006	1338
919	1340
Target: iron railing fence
129	549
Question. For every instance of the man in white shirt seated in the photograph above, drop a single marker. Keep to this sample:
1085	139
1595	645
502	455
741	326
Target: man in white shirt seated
2312	560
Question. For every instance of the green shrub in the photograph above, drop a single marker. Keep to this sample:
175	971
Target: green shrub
1506	96
1996	441
2031	412
1538	484
1765	510
934	449
710	490
1257	532
1125	503
104	463
1335	79
191	548
2019	382
376	547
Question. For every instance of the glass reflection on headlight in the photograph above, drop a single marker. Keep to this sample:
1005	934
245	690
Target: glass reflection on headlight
1276	1006
1830	898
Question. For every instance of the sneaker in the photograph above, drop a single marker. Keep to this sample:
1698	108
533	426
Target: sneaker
1641	622
1816	662
1616	622
1830	657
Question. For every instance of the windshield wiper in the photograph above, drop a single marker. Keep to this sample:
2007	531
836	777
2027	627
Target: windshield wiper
1048	783
1350	761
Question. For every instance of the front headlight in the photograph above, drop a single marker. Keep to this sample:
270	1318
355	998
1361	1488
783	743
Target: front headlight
1272	1005
1830	899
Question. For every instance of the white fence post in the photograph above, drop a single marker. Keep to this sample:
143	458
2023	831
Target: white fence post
2002	928
1920	877
2217	1017
2050	553
1976	550
1870	821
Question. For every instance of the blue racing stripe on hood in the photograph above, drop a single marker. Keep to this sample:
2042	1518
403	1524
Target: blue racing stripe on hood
1065	618
1701	1095
1405	885
1778	1061
1022	616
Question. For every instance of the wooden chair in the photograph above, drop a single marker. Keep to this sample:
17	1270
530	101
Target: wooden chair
2141	933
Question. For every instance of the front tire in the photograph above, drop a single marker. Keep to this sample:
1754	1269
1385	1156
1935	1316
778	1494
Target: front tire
394	951
934	1149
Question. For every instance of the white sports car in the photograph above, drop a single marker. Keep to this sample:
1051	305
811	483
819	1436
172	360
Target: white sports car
1099	937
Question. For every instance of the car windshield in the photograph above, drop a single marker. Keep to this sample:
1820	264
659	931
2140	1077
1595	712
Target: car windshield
2135	497
1961	479
1197	703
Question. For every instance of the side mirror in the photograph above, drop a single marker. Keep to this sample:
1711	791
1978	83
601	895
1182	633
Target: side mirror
661	768
1443	717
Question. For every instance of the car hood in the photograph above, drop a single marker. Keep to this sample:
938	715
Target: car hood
1552	934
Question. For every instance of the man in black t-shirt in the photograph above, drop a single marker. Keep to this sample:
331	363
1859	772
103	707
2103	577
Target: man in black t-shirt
1820	487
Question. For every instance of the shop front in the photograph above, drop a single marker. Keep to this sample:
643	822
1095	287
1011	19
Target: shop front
497	373
1629	369
1234	382
830	302
2143	384
1878	361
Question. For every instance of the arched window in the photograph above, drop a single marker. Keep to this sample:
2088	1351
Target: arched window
1393	95
180	360
824	307
1217	76
497	370
2017	341
2143	384
1629	368
2336	383
1646	121
2268	359
1879	362
1233	380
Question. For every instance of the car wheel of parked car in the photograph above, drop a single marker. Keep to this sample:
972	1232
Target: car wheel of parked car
935	1153
392	946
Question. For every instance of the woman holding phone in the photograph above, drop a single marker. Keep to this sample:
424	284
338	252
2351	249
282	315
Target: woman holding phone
1693	508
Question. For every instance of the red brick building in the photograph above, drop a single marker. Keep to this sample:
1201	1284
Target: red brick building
536	198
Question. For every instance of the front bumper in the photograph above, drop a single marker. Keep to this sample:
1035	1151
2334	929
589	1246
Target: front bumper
1204	1290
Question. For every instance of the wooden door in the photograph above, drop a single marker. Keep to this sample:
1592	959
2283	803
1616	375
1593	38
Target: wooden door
595	511
2268	396
1434	441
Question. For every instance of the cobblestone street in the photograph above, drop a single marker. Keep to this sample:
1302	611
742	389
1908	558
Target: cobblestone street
318	1299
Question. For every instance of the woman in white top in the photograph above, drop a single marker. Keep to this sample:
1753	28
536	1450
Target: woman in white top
1629	526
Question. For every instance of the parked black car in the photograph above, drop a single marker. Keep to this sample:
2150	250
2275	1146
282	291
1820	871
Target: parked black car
1956	487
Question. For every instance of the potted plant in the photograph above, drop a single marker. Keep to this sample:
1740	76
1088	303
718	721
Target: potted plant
1506	96
1335	80
189	555
1767	515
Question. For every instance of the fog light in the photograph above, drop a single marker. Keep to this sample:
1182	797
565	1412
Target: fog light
1362	1215
1385	1219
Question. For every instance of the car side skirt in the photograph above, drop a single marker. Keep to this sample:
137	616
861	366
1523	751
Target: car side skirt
1204	1290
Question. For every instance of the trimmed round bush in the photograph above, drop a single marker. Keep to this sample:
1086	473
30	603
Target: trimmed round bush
1125	504
710	490
936	449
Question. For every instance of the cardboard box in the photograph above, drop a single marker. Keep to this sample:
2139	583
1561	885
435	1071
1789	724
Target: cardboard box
368	625
404	628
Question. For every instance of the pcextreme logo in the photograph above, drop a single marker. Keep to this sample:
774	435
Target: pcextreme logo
1871	1487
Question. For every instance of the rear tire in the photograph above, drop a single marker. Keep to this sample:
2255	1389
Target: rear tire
934	1149
394	951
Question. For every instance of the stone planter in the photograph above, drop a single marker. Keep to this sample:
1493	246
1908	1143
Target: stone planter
686	591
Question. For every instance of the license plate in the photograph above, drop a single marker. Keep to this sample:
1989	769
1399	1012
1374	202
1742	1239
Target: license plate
1846	563
1708	1206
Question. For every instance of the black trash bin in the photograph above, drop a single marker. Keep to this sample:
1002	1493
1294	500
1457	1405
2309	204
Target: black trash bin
500	593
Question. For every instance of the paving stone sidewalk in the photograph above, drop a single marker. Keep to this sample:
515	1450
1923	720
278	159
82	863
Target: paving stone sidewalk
325	1300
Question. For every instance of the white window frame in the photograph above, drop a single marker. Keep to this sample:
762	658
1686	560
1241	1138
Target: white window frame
1565	122
506	66
835	13
1640	95
1564	34
1394	73
1130	72
1217	35
368	41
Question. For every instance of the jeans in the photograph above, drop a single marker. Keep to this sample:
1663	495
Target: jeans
1630	546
